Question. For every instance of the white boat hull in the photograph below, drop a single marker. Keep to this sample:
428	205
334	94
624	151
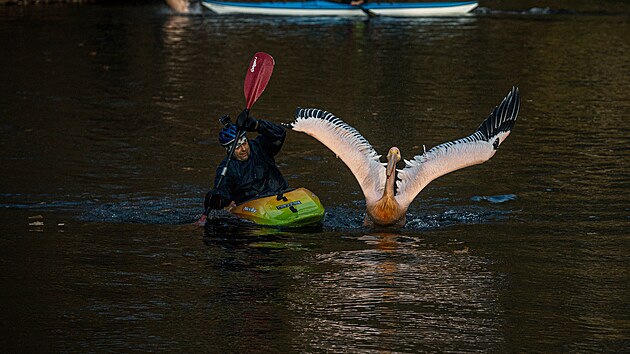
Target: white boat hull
378	9
423	12
229	9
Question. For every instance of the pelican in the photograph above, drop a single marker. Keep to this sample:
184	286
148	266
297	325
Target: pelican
386	206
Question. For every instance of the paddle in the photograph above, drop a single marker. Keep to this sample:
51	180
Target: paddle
258	75
256	79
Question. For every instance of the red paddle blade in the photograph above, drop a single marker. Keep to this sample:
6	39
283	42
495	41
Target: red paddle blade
258	75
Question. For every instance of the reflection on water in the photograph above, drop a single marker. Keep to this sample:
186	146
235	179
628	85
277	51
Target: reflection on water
108	146
398	294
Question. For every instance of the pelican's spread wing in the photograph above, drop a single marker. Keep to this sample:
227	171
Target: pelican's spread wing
348	144
448	157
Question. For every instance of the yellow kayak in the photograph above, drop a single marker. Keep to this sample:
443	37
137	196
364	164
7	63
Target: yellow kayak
293	208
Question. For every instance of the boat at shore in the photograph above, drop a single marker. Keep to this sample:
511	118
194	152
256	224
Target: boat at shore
330	8
292	208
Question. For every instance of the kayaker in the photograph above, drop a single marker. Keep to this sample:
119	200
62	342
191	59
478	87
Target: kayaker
252	171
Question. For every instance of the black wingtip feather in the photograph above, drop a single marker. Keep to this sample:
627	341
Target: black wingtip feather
315	113
299	113
503	117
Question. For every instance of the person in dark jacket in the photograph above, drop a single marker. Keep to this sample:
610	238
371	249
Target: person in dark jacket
252	171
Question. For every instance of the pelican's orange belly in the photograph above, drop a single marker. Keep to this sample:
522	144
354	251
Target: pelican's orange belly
386	212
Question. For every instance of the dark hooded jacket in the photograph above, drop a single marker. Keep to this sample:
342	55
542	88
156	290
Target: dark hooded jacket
259	175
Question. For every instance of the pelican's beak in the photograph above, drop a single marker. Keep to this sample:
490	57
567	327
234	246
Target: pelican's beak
392	159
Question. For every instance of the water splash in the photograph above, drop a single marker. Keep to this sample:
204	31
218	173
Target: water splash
342	218
146	210
495	199
182	208
420	218
453	215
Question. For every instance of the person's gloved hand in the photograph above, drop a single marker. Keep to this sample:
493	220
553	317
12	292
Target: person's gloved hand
215	201
246	122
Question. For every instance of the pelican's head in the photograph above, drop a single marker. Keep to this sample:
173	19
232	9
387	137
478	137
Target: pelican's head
393	156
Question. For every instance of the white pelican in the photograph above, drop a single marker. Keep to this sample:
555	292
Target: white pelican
385	207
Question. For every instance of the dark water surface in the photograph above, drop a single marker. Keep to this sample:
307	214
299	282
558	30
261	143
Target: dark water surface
108	123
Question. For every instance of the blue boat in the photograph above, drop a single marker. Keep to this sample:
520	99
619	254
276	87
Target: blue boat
330	8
